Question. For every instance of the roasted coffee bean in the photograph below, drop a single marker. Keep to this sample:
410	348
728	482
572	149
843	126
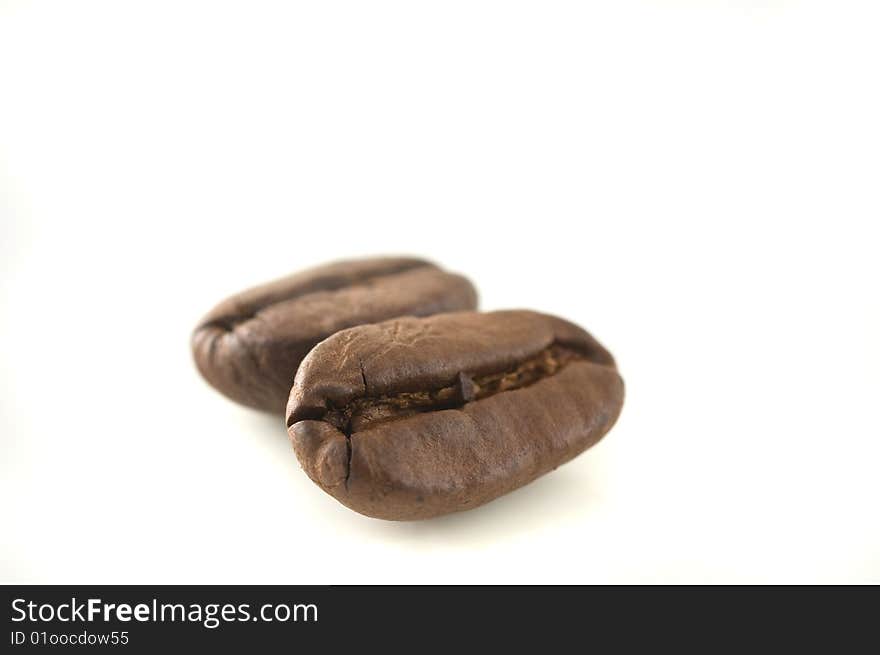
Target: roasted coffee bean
250	345
417	417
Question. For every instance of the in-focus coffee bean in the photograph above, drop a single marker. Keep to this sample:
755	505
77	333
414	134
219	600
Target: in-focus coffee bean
417	417
250	345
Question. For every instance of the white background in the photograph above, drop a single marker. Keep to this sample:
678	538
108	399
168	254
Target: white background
694	182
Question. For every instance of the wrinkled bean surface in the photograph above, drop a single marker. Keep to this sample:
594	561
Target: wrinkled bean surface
416	417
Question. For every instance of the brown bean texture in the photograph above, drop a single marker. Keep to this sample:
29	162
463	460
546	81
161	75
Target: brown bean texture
249	346
417	417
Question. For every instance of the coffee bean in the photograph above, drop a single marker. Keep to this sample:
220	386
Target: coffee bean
417	417
250	345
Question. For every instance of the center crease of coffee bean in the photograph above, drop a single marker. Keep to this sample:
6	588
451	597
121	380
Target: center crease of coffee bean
362	413
245	314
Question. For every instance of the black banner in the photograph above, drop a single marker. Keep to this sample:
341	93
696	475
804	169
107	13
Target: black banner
150	619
